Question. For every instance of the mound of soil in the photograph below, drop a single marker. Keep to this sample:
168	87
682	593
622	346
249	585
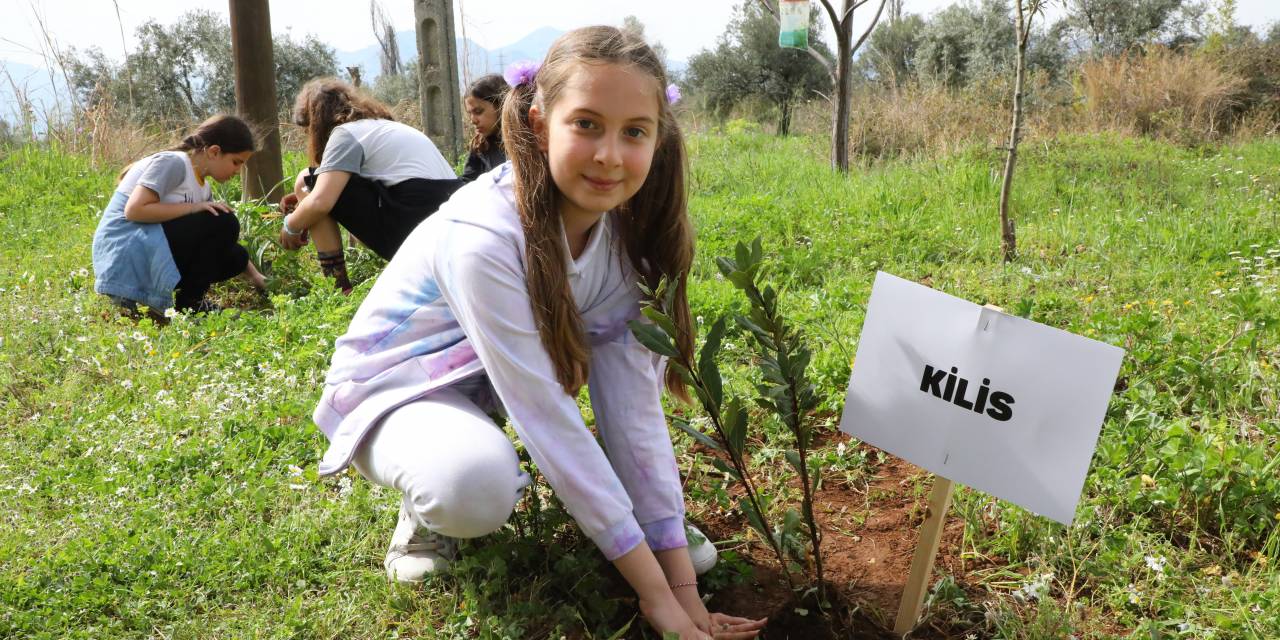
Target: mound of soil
869	535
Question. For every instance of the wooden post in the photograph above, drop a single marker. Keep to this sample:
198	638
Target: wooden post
438	78
926	552
256	95
927	547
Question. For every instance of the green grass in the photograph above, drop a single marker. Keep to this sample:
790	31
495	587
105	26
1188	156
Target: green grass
161	482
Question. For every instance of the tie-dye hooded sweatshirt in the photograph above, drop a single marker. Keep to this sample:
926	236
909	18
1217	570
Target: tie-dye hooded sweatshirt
454	304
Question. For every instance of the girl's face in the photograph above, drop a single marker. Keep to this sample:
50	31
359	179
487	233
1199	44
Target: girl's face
600	136
482	114
220	165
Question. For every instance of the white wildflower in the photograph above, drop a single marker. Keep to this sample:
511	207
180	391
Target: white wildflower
1157	564
1034	589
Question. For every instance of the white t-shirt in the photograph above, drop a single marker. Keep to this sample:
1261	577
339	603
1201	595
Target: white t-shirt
384	150
170	175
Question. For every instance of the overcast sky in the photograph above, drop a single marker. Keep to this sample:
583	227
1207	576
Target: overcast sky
683	26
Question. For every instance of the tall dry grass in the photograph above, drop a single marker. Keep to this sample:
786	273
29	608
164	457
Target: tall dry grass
923	119
1187	98
1156	92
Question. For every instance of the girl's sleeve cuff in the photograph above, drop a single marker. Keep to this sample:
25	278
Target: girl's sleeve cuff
617	540
665	534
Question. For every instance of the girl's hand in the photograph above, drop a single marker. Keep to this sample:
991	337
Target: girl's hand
725	627
289	203
292	242
718	625
691	602
668	616
213	207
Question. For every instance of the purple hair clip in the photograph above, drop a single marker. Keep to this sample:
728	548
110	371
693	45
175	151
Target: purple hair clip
673	94
522	72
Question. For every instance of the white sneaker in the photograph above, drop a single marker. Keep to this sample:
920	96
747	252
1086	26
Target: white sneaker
701	551
414	553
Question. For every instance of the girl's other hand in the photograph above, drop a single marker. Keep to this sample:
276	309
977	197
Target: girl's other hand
214	207
292	242
288	203
668	616
726	627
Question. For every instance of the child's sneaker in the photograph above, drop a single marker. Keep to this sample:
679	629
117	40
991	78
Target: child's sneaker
414	553
701	551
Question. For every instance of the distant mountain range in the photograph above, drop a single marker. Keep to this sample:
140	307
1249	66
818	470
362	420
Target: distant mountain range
473	58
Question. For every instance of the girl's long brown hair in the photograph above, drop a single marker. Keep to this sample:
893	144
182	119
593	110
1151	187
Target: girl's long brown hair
653	226
325	103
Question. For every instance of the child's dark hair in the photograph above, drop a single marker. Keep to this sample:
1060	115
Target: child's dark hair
228	133
325	103
653	226
491	88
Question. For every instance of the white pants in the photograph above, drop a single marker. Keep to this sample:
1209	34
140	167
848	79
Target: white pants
459	473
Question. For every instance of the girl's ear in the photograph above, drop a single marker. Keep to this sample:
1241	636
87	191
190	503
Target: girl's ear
539	126
213	150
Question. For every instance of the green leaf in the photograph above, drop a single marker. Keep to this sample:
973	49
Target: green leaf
726	469
707	367
699	436
740	279
793	457
749	325
726	266
742	254
661	319
754	518
735	424
653	338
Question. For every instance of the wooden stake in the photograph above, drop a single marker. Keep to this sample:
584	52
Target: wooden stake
930	536
926	551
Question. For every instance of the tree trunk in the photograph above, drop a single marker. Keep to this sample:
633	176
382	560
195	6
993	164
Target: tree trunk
844	90
845	48
251	49
1008	237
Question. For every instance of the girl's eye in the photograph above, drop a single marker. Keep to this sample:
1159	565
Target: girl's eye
583	123
636	132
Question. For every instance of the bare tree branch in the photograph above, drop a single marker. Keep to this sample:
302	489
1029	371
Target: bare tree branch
831	13
870	28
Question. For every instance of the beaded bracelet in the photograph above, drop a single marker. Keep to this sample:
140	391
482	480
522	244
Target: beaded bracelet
684	584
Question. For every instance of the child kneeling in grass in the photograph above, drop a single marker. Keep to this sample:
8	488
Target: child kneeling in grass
513	296
161	230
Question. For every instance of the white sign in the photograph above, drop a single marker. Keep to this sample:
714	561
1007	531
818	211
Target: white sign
993	401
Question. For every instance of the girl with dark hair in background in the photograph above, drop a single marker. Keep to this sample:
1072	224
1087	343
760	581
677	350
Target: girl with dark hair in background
162	231
484	107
